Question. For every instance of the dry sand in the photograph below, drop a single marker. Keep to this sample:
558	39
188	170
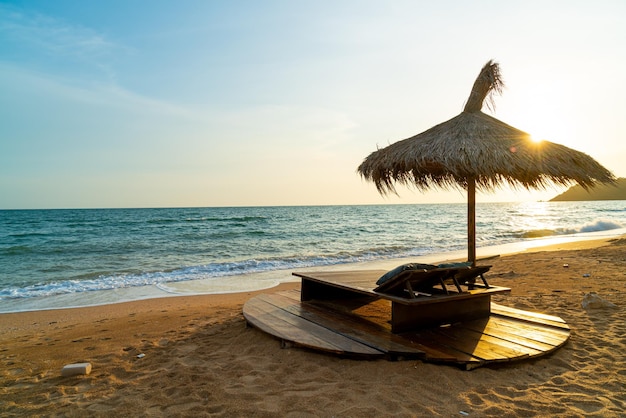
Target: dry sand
201	359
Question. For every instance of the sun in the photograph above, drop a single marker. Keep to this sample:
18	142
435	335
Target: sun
541	129
543	112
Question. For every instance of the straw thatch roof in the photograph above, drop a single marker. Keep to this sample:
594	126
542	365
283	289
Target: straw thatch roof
476	147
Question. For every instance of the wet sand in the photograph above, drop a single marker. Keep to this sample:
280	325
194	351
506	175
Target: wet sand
200	359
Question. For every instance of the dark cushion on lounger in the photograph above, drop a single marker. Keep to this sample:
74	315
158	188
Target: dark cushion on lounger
455	265
410	266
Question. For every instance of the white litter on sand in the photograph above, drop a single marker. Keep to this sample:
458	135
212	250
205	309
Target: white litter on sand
76	369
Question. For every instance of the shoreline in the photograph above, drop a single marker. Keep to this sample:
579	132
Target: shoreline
194	356
251	282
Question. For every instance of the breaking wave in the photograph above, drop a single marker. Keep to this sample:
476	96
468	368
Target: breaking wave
595	226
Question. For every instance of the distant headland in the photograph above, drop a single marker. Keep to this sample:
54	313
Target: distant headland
600	192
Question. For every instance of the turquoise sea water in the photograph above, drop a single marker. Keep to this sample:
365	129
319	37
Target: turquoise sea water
52	253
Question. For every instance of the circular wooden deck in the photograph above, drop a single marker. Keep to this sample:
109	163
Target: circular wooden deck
360	328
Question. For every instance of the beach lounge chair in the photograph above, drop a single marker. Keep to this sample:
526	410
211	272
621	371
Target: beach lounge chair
427	280
420	295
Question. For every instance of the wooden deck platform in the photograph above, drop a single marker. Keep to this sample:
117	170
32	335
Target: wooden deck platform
435	303
360	327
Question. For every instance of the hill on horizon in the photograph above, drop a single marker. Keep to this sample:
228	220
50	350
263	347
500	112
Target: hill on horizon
600	192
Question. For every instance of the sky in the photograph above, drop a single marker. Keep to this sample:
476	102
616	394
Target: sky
187	103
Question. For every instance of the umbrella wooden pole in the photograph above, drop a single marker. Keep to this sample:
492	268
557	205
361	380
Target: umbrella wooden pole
471	221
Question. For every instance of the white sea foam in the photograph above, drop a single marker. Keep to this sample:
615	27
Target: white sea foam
594	226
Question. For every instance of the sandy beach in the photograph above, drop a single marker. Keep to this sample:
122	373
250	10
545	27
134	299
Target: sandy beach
194	356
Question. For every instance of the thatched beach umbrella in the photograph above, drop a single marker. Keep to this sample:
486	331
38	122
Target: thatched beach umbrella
474	151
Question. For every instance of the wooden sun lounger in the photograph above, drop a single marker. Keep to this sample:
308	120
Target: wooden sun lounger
417	301
422	282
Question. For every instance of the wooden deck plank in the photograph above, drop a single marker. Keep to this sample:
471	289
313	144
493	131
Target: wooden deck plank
489	347
300	331
470	347
518	332
537	335
443	352
538	315
440	353
318	316
534	317
257	314
350	326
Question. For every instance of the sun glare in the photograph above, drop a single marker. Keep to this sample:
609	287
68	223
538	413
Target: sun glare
542	121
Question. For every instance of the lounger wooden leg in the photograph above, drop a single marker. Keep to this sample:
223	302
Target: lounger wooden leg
443	286
456	283
484	281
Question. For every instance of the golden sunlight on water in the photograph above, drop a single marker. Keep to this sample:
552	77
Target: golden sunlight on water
536	220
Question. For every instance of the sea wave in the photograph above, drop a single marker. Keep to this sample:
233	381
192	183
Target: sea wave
207	219
612	210
538	233
208	271
595	226
16	250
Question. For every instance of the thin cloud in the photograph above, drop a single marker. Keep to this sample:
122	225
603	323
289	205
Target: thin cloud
29	34
51	34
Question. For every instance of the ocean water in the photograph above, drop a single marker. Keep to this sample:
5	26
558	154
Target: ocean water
73	255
